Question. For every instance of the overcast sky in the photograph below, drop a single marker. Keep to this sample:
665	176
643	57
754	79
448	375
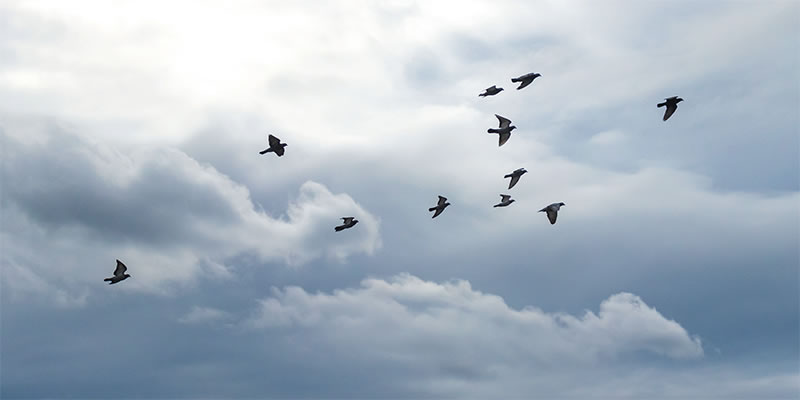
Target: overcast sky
131	130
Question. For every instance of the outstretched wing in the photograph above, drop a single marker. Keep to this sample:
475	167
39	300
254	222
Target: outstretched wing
274	142
279	150
525	82
438	211
347	220
552	215
121	268
505	197
669	111
504	122
504	138
442	200
514	180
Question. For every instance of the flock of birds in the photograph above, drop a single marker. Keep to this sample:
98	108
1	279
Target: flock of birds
504	133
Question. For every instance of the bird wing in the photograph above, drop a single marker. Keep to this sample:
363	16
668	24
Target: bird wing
552	215
492	88
279	150
673	98
274	142
504	138
505	197
514	180
504	122
442	200
121	268
347	220
669	111
525	82
438	211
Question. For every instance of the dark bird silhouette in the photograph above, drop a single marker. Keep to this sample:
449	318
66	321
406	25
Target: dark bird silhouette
119	274
515	177
347	222
525	79
552	211
505	200
275	145
440	206
491	91
672	105
504	131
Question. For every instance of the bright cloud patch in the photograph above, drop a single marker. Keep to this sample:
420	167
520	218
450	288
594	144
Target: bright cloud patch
426	323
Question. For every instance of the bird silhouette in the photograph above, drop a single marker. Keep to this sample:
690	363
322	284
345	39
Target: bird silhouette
504	130
440	206
525	79
505	201
491	91
119	274
672	105
347	222
552	211
275	145
515	176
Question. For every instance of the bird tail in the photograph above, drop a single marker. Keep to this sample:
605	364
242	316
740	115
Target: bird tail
662	104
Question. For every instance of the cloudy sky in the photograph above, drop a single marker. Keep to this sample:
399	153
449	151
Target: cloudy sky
131	130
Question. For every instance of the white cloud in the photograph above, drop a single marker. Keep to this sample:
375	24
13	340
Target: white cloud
408	318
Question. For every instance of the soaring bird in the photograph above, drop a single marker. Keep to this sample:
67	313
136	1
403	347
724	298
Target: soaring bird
504	131
672	105
119	274
491	91
347	222
274	145
505	200
525	79
552	211
515	177
440	206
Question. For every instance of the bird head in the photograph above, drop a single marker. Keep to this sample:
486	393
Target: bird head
523	171
511	128
536	75
355	221
499	89
561	204
511	201
678	100
126	275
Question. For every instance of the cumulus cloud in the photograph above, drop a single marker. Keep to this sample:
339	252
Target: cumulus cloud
199	315
167	216
412	320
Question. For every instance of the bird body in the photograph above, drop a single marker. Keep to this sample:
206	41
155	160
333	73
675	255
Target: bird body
504	130
275	146
515	177
491	91
672	104
119	274
525	79
347	222
505	201
440	206
552	211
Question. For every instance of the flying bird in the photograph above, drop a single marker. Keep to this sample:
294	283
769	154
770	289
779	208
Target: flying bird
504	131
525	79
119	274
505	200
275	145
440	206
491	91
552	211
515	177
672	105
347	222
